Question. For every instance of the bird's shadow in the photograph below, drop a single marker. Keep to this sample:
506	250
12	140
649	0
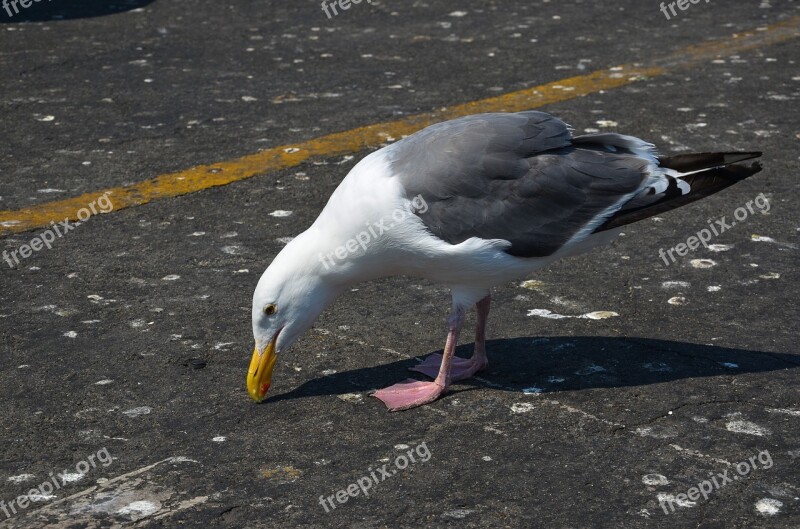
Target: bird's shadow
571	363
12	12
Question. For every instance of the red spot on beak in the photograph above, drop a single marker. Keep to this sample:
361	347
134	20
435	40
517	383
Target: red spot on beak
265	388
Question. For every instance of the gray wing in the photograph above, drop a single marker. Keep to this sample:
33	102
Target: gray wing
519	177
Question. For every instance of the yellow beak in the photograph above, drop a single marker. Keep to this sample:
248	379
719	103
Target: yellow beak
259	376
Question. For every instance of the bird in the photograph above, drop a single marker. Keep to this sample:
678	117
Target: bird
470	203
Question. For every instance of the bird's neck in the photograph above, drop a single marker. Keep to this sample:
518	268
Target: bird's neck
304	257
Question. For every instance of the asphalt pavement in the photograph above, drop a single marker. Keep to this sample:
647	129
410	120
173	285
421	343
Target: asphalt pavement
623	390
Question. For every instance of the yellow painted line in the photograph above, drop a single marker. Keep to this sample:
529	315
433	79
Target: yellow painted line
218	174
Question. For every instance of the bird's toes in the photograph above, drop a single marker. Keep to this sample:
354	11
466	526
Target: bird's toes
430	366
409	394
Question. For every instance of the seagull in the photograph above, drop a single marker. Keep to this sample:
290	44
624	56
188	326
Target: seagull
470	203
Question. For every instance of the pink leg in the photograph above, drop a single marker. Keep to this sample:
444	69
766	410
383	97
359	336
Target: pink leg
462	368
413	393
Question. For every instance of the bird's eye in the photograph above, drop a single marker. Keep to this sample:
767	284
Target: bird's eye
270	309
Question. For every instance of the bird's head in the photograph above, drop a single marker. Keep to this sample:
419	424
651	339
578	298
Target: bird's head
290	295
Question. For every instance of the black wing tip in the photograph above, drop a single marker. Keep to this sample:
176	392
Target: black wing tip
740	171
756	167
703	184
699	161
736	157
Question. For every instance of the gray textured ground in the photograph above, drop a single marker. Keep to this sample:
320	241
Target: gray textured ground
577	423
